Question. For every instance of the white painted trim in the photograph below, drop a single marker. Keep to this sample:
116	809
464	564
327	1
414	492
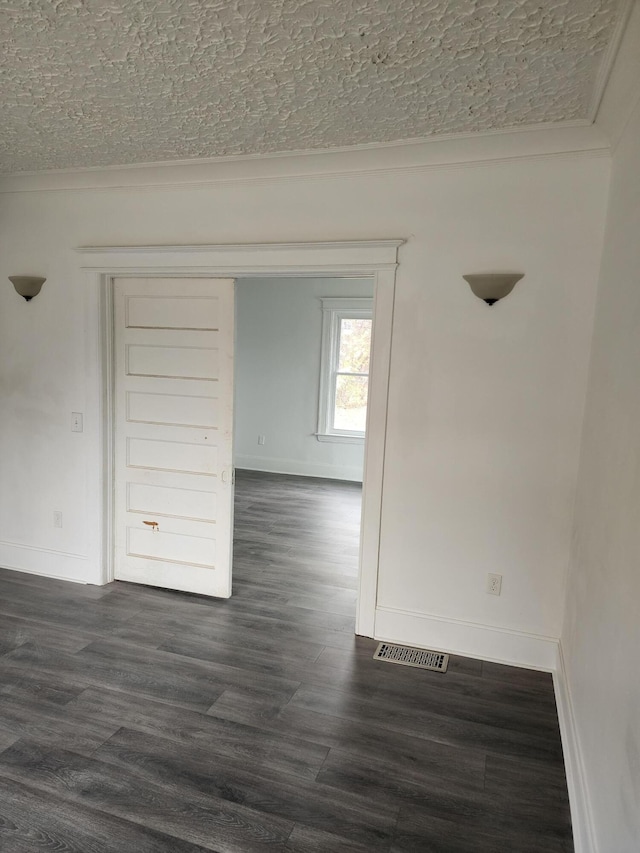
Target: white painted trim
376	258
10	544
502	645
312	152
334	310
107	423
250	259
275	465
254	249
375	449
609	58
33	560
583	830
621	94
339	438
350	304
564	139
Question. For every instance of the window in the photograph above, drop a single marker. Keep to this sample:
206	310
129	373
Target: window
344	372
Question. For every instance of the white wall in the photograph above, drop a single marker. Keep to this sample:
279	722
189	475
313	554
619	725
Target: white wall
601	636
278	340
485	411
485	403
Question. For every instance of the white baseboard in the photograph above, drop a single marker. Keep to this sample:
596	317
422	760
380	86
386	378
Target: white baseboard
466	638
583	831
302	469
46	562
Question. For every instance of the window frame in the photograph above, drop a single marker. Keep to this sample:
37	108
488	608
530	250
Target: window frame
334	310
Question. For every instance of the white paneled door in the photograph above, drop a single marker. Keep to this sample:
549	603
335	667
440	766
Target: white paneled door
173	432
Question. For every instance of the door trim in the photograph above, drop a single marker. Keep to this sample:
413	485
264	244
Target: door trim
376	258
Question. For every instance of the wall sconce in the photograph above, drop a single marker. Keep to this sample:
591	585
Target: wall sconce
493	286
27	285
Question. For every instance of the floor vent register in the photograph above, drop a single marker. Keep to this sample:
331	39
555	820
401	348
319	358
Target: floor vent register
407	656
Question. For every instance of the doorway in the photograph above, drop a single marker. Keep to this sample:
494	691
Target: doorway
377	259
301	379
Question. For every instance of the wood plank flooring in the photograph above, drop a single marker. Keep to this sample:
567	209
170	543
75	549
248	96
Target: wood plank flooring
140	720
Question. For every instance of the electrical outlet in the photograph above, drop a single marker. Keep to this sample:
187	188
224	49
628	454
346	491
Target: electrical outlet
57	518
494	584
77	424
260	439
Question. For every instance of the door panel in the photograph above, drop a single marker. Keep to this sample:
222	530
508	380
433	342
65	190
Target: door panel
171	547
165	500
174	362
172	456
173	433
172	312
172	409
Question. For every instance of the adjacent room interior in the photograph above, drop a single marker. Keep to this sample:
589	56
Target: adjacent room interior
301	381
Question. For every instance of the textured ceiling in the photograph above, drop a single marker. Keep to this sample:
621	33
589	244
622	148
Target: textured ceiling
101	82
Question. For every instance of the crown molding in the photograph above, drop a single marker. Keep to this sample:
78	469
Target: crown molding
609	58
622	92
569	139
306	152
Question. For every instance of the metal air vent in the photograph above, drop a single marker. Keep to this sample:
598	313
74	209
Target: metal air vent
407	656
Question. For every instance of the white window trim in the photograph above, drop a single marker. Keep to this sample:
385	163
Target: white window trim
334	310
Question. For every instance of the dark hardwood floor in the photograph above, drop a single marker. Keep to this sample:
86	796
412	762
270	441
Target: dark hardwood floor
140	720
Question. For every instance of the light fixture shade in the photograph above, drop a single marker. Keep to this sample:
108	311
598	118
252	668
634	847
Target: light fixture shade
492	286
27	286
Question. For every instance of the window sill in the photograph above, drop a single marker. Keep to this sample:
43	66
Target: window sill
340	438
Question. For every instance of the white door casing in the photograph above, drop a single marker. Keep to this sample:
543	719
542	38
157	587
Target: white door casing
101	264
173	432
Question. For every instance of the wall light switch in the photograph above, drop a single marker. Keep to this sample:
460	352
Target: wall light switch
77	422
260	439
